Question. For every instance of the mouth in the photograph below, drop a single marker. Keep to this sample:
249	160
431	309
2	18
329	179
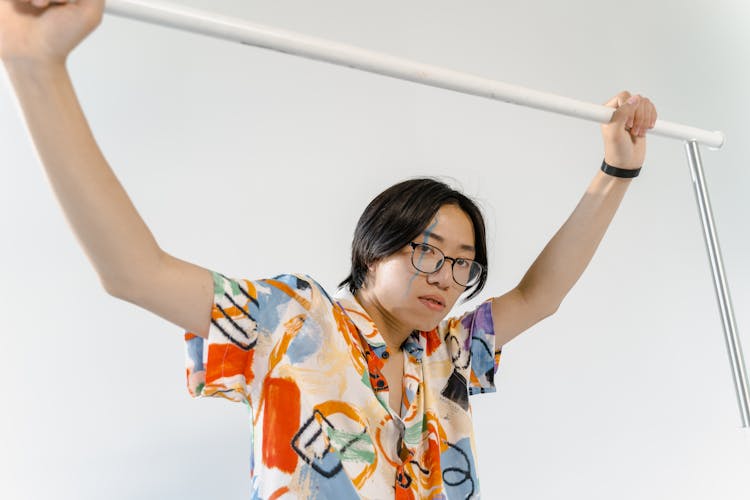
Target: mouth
432	302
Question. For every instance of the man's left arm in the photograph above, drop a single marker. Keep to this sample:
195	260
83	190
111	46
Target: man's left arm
568	253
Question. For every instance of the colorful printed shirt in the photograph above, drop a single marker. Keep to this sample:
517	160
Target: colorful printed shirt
309	368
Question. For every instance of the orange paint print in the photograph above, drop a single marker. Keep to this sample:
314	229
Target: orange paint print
280	424
228	360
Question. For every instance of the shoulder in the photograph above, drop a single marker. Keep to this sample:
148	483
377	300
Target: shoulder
300	287
290	281
462	333
295	281
282	290
475	321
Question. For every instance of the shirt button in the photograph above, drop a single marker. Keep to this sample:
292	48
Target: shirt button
386	355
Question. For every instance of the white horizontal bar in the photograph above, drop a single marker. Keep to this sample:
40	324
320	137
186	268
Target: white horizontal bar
237	30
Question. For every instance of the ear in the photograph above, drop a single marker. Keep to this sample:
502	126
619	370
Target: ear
372	266
370	274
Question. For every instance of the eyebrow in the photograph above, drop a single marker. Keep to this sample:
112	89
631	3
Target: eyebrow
440	239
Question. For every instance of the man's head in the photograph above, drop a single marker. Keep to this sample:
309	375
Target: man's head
411	226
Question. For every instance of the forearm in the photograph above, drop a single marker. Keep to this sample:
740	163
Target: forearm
107	225
569	252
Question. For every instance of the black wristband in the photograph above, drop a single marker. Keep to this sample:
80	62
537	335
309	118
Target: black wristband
624	173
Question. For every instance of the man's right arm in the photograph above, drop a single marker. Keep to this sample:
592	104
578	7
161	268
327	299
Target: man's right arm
122	249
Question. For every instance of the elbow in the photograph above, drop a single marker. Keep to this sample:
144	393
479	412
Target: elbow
126	282
551	310
109	288
113	288
544	305
550	306
547	309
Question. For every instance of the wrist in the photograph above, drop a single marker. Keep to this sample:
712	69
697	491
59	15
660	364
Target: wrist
21	70
619	162
620	172
33	65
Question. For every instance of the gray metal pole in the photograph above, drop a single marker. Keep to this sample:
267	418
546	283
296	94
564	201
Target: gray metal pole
720	281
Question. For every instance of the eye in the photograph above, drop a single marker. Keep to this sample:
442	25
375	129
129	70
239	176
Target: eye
424	250
463	263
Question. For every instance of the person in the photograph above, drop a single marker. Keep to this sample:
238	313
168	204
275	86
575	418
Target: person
363	393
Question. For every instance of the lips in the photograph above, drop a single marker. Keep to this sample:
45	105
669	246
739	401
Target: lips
434	302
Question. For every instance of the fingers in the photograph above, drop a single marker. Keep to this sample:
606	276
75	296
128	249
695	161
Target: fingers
635	112
644	117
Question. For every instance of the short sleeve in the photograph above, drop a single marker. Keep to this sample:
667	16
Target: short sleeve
243	312
470	340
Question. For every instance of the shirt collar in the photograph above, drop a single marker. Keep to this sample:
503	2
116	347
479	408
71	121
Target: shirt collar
369	331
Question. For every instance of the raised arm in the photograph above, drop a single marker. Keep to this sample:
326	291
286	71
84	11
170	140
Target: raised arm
568	253
34	44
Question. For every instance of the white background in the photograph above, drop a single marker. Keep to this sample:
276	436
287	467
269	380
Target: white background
253	163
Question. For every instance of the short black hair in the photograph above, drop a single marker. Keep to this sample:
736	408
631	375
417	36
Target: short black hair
398	215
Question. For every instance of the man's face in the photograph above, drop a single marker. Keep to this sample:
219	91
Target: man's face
416	299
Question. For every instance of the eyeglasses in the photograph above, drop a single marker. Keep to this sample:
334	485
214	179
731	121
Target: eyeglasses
429	259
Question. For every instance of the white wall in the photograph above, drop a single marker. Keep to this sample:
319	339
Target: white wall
254	163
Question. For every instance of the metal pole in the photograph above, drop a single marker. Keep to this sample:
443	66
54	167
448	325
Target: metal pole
720	281
238	30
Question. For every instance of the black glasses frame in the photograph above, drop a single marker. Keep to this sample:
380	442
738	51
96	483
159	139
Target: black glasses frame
453	260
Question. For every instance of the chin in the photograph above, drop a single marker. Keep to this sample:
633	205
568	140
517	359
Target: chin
424	320
428	325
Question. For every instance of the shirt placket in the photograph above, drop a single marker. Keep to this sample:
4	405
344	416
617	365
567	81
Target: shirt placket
411	415
404	452
395	429
411	387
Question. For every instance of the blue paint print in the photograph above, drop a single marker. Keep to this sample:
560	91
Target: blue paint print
306	343
459	472
195	352
427	234
326	478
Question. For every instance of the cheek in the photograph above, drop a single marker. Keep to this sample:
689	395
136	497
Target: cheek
395	284
393	275
454	299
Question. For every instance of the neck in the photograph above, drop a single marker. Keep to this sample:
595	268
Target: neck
393	332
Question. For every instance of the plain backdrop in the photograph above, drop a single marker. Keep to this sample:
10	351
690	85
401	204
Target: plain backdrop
253	163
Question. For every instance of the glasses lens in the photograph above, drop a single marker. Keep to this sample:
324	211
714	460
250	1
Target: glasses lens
426	258
466	272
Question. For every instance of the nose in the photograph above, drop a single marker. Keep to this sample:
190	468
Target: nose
443	277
